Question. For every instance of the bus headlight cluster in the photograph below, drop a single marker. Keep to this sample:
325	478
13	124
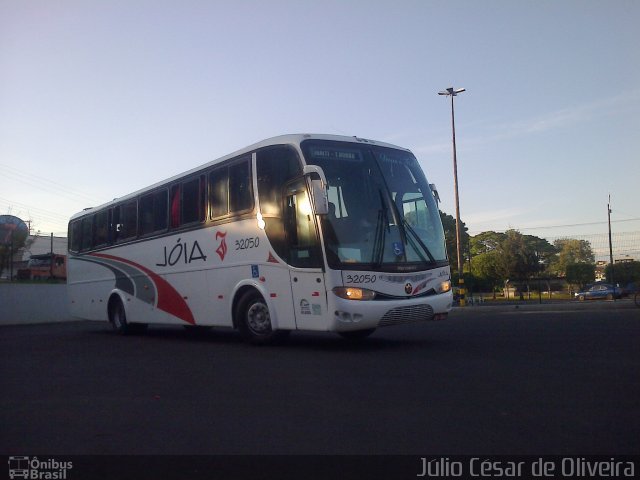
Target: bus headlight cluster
444	287
354	293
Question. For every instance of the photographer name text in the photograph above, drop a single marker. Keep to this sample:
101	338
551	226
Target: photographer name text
569	467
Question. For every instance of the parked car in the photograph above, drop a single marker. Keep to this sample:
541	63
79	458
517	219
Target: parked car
599	290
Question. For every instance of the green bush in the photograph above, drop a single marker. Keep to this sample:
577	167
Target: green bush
623	273
580	273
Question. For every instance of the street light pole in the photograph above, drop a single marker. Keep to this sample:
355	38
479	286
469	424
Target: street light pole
451	92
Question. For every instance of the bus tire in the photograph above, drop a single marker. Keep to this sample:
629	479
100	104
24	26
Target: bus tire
118	319
254	321
355	335
117	316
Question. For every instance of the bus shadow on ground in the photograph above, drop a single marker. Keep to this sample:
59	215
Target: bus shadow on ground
322	341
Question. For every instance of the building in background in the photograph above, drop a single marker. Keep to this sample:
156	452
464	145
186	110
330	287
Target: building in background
34	259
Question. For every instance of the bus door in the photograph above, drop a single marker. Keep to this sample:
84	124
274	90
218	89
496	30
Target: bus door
305	256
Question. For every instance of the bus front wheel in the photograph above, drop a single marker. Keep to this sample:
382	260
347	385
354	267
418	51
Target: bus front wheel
254	321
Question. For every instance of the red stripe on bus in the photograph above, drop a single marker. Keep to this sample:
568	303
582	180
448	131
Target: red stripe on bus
169	300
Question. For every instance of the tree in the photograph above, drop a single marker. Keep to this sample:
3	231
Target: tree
522	256
449	225
580	273
485	242
518	260
497	257
623	273
571	250
14	235
485	268
542	250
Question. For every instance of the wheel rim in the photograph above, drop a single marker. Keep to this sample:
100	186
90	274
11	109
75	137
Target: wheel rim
258	318
118	315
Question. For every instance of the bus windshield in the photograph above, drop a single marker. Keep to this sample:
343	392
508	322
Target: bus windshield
382	214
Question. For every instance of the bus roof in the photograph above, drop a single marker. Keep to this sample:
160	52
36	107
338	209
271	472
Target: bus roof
291	139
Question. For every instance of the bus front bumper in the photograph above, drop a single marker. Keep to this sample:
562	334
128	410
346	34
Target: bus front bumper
349	315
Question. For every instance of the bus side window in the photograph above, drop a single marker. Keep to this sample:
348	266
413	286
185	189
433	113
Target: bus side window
101	228
146	214
75	235
115	227
240	191
193	200
129	219
300	228
160	210
218	192
275	167
153	212
86	242
123	224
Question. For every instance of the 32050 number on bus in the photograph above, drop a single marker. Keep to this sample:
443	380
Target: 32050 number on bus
247	243
365	278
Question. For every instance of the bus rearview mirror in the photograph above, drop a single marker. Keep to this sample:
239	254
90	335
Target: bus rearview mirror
318	189
434	191
320	199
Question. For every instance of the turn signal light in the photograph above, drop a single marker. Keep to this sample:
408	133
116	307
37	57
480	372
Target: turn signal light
354	293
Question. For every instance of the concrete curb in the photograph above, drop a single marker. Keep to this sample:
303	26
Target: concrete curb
622	304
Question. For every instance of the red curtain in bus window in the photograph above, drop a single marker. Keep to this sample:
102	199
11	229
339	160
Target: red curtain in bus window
175	206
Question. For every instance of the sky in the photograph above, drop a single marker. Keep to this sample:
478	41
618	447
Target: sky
101	98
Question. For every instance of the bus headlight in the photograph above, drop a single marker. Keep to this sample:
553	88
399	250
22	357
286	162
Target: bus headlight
444	287
354	293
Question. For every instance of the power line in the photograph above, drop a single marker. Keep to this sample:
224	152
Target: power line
47	185
38	211
545	227
579	224
39	219
625	244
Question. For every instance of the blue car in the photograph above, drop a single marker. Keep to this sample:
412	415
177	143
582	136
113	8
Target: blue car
596	291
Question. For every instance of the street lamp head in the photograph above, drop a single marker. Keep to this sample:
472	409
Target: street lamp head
452	91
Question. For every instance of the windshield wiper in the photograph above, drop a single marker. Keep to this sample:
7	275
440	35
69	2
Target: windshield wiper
415	235
378	245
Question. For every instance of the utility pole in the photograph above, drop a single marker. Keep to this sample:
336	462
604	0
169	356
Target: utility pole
51	259
611	248
11	259
451	92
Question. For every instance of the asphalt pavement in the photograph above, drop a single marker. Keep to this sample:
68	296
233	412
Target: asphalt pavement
487	381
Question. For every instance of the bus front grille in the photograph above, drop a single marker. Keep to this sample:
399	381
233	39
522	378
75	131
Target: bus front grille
407	314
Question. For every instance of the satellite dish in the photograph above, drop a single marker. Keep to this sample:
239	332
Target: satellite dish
12	230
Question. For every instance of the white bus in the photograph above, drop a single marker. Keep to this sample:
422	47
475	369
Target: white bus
298	232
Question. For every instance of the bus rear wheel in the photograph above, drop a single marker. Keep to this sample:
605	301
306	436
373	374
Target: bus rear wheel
118	319
254	320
